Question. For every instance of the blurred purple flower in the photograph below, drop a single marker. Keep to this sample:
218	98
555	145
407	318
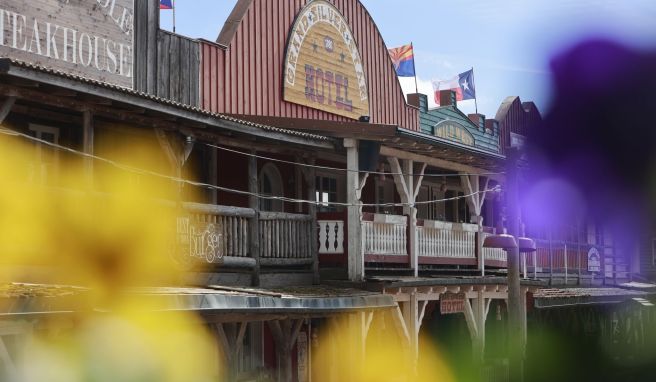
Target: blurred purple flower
600	134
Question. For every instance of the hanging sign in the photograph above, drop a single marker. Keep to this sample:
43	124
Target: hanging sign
454	132
323	69
87	38
451	303
594	260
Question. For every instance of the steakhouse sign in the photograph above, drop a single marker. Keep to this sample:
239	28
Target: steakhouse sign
88	38
323	68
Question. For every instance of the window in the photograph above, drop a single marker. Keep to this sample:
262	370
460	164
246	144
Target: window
270	184
46	160
326	192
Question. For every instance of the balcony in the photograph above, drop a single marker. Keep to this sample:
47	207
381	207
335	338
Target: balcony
221	235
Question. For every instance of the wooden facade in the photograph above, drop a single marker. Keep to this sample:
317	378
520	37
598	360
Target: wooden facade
242	73
518	118
167	65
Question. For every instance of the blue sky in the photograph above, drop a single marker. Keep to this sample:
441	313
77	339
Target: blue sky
508	42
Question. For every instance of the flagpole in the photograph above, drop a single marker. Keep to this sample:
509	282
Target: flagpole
474	82
173	16
414	67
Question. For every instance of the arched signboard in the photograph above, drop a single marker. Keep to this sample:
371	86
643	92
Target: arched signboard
594	260
323	68
455	132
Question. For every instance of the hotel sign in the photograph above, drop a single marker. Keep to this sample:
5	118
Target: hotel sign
454	132
87	38
323	68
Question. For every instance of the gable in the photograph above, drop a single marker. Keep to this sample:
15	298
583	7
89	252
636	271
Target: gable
244	73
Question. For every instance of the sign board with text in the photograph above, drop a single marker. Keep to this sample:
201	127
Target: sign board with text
451	303
87	38
594	260
323	68
455	132
199	240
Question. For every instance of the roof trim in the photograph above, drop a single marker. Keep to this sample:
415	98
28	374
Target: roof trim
31	72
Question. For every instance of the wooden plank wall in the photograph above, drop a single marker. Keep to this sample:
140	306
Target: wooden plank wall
178	65
166	65
242	72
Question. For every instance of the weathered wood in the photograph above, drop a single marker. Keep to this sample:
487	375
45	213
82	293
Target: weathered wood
163	66
6	107
266	215
355	252
100	27
88	145
141	46
194	74
151	51
254	222
184	66
285	261
139	102
174	64
435	162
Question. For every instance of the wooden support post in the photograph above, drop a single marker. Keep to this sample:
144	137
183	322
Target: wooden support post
8	364
6	107
400	326
523	321
231	338
551	262
88	146
565	261
213	169
309	174
254	222
480	312
285	333
411	318
355	242
407	186
475	201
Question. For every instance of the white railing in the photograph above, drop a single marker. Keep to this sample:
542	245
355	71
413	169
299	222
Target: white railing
494	254
442	239
385	235
331	237
285	236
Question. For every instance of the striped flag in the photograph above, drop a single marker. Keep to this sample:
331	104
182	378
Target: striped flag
165	4
403	59
462	84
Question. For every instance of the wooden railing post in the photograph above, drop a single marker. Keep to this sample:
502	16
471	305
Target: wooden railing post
254	232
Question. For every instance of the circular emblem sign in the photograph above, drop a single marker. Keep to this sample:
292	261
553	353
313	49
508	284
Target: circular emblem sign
323	68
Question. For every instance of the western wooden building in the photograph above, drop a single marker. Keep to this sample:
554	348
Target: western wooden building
321	172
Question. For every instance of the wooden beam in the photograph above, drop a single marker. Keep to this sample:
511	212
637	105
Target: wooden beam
419	179
9	365
435	162
471	320
295	331
422	311
399	325
399	181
